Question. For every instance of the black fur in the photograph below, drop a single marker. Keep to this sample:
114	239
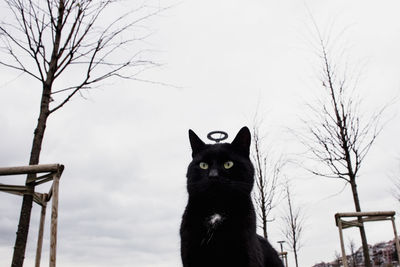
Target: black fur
231	240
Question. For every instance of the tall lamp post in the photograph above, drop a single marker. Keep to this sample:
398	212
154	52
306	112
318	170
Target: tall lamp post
281	243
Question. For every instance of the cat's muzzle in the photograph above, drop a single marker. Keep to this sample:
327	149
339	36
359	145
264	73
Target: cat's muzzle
213	174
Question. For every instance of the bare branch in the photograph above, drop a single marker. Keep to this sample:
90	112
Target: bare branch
268	172
338	135
77	41
293	224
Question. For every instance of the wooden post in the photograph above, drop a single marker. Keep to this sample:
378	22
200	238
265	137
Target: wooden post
396	238
344	257
54	217
283	256
41	230
286	264
54	172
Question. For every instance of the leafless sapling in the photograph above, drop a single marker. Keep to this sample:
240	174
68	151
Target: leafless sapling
268	171
395	177
68	46
352	248
293	224
339	135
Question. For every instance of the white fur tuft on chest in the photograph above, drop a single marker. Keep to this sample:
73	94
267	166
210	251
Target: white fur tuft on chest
215	219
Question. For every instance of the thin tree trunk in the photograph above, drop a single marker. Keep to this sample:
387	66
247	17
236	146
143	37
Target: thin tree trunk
22	233
295	258
367	260
261	187
263	210
265	230
26	208
353	183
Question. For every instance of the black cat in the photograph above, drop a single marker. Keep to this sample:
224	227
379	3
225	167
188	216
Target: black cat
219	223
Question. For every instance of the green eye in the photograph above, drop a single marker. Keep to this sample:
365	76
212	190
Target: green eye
228	164
203	165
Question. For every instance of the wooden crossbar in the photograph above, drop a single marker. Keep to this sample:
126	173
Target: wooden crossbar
14	189
31	169
363	216
366	213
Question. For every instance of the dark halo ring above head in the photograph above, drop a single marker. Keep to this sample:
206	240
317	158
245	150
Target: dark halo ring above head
222	136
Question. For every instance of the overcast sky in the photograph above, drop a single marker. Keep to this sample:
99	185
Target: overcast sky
125	147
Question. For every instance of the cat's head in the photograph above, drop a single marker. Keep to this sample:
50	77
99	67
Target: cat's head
222	167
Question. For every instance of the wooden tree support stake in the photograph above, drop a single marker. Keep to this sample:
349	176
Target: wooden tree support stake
363	217
41	230
51	172
54	217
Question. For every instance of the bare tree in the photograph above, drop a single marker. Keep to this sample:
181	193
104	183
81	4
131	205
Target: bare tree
267	171
340	135
352	247
293	224
395	190
338	259
54	40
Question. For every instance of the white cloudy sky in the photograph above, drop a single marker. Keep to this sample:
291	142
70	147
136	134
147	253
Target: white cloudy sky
125	147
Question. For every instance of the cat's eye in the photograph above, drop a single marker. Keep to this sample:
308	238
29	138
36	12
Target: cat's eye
228	164
203	165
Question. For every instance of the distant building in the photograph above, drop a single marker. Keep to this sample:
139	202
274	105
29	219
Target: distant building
382	254
324	264
359	256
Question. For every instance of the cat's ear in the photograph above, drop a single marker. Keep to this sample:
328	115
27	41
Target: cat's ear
242	141
196	143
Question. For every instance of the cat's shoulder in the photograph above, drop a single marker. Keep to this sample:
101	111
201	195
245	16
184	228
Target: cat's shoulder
271	256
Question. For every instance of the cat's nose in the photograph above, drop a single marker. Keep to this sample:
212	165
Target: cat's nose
213	173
